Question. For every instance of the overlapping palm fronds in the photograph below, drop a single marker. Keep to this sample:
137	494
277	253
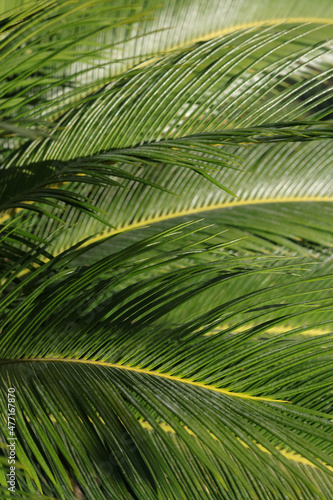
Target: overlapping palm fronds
166	249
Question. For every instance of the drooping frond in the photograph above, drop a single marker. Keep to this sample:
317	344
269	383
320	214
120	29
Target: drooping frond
151	373
166	240
196	92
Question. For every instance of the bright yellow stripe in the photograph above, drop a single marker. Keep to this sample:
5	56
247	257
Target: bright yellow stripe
276	329
146	372
196	210
206	208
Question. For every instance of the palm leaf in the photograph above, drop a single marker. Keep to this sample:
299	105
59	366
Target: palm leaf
183	359
150	383
226	79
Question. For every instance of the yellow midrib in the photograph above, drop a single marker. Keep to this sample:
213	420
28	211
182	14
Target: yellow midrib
195	210
204	208
143	371
273	330
209	36
254	24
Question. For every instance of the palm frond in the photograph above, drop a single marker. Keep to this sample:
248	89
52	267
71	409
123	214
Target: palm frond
166	289
148	372
198	153
206	81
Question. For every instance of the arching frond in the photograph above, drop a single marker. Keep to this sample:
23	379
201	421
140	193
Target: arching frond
166	279
151	373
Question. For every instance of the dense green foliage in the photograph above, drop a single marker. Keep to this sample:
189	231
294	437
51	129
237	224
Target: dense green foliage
166	245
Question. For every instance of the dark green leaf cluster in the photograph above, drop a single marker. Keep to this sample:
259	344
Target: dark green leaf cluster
166	276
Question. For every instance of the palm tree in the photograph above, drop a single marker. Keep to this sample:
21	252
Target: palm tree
166	250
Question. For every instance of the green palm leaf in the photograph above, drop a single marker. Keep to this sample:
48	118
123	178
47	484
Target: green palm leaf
217	89
166	249
148	370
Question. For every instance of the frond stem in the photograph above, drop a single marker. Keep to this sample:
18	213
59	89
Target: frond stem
142	371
